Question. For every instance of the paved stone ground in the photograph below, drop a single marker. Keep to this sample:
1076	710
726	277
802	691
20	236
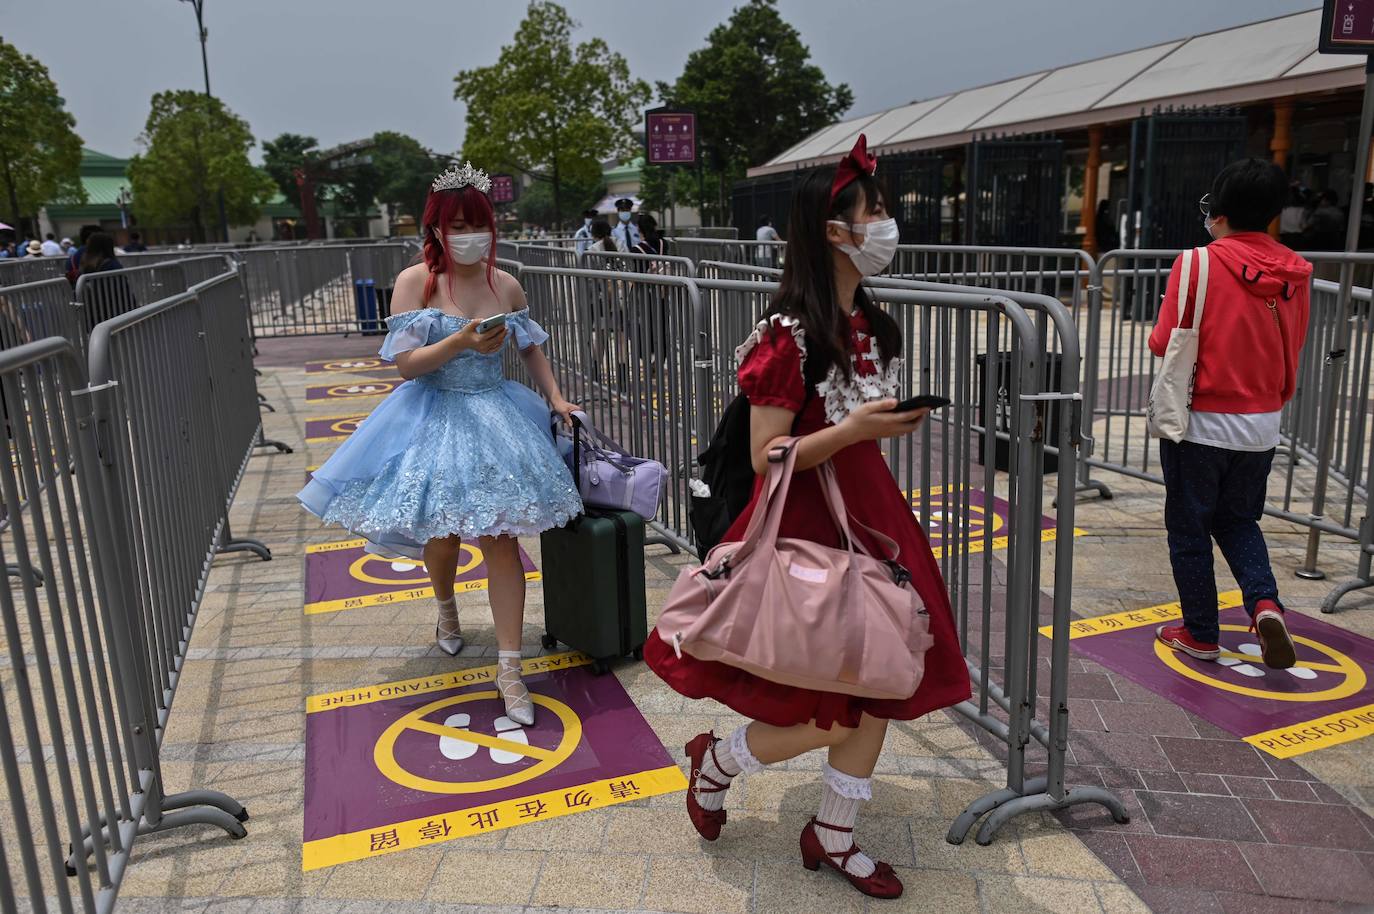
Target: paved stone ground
1230	826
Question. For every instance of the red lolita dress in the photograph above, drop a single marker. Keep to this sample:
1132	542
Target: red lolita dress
770	374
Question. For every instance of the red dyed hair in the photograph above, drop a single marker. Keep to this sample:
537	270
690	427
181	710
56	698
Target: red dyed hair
440	209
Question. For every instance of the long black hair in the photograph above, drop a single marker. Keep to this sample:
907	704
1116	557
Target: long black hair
807	289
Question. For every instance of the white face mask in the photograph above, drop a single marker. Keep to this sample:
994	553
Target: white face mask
1210	225
469	249
624	217
879	247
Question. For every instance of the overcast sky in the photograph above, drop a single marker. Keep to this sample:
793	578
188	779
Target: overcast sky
343	69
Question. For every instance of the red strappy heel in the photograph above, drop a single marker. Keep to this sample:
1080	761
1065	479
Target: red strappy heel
708	822
883	883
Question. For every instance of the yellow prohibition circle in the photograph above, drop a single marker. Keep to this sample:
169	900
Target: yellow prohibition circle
385	754
358	570
976	517
342	390
1353	682
356	365
348	425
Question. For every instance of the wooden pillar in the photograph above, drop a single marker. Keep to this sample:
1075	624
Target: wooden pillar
1089	214
1282	143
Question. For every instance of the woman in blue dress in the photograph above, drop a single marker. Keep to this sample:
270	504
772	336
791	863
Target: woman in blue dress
457	452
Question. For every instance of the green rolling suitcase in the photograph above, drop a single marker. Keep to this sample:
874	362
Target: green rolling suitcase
594	585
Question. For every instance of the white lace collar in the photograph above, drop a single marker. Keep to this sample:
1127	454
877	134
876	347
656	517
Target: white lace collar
842	394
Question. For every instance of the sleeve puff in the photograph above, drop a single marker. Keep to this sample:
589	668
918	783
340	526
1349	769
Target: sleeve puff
770	364
407	330
527	331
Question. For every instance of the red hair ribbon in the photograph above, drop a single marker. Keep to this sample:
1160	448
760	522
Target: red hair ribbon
858	161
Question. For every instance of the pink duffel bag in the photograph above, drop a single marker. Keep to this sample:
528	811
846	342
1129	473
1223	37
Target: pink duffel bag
798	613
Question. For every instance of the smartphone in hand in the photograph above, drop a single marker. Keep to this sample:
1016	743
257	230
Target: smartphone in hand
487	325
921	401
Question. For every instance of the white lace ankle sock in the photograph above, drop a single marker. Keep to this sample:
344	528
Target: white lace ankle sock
449	626
840	807
511	685
735	759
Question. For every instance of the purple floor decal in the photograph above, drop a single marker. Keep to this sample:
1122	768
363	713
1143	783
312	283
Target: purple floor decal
332	428
366	365
345	576
1326	699
944	515
407	764
353	389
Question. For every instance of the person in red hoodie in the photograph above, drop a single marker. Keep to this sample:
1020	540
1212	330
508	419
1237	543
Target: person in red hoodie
1253	327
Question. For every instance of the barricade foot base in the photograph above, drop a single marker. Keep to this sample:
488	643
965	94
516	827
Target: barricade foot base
1310	574
245	545
202	815
282	448
1334	597
1092	486
194	807
1006	804
262	402
15	571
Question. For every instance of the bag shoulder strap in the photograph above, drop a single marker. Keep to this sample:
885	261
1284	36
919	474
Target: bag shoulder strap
1192	319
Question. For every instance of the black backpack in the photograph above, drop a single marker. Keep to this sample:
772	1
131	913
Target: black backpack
727	468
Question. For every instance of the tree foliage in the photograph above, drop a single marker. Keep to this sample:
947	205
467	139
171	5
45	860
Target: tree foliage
548	108
40	153
535	206
194	149
405	170
755	93
282	156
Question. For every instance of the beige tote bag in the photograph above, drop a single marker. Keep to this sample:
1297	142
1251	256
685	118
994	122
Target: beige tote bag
1171	397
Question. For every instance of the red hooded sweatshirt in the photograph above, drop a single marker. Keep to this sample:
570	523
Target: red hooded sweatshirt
1254	323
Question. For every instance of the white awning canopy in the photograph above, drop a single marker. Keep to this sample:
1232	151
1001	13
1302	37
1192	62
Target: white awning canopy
1242	65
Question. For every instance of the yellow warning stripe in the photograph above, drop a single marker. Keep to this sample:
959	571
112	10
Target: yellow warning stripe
399	836
1136	618
400	596
1318	733
386	691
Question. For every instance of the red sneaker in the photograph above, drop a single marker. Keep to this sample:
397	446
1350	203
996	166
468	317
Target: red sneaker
1276	647
1177	637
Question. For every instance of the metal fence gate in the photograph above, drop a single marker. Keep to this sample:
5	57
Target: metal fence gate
1015	191
1174	157
754	198
915	187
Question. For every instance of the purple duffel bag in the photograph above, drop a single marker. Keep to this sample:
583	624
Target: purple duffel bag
606	477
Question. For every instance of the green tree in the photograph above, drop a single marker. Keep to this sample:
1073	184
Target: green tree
755	93
194	148
282	156
535	205
40	153
405	170
548	109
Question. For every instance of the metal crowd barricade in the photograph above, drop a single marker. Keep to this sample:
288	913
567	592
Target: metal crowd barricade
15	271
720	269
79	703
548	255
103	295
759	253
1119	371
311	289
616	345
35	310
659	264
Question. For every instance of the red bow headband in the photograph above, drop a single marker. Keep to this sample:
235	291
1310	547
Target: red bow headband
858	162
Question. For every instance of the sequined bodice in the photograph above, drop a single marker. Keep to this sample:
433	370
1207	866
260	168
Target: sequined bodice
469	370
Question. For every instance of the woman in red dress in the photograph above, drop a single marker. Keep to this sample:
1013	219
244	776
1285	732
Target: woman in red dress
823	364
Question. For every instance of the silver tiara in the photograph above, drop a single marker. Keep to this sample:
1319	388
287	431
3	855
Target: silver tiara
456	177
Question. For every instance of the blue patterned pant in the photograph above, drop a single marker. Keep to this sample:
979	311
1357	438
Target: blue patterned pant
1211	493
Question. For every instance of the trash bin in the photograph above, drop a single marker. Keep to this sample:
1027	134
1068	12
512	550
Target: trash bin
1002	408
365	307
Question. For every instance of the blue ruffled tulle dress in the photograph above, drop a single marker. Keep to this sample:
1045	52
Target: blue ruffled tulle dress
460	450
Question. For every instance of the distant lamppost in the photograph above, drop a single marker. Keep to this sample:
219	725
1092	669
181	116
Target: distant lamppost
199	6
124	199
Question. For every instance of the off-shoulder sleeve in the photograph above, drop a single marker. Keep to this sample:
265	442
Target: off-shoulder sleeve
406	331
527	331
770	364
